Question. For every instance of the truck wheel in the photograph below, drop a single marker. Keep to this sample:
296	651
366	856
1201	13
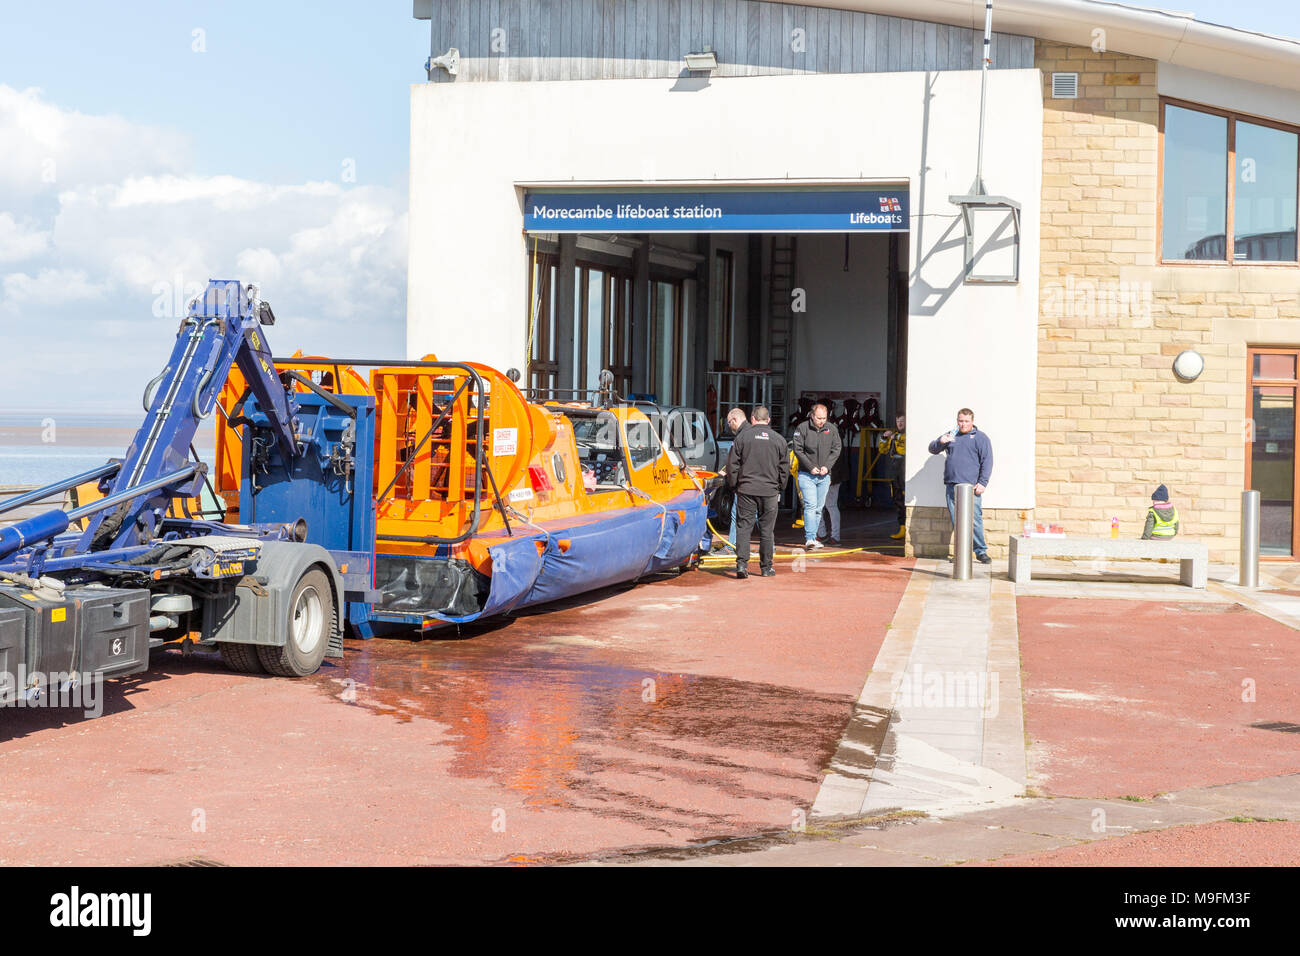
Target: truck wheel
307	634
242	658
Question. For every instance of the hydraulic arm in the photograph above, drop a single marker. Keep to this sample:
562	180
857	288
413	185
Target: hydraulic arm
222	328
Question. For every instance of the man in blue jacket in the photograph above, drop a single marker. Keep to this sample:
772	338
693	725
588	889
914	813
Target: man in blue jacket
970	461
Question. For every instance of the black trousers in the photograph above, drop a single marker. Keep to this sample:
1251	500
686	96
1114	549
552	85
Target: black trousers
763	509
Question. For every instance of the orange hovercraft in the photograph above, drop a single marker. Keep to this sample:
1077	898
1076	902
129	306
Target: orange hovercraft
471	500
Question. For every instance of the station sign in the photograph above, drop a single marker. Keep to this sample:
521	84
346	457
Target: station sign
855	209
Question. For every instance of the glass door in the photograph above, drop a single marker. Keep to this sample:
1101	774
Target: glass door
602	327
1271	437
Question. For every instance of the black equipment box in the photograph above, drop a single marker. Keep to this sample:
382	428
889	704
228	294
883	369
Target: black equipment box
85	631
13	653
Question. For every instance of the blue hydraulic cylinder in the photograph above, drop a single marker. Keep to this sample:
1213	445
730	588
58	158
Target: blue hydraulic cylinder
43	526
39	528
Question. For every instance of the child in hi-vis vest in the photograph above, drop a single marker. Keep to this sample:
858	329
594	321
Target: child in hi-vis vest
1162	517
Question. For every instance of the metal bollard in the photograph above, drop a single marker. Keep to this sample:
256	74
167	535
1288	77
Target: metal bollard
1249	570
963	500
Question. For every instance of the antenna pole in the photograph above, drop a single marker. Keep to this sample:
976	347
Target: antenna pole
984	84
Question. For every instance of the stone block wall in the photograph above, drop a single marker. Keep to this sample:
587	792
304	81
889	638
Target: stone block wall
929	531
1113	420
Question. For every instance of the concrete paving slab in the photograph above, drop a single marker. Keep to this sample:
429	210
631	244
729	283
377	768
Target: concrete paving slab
1080	820
1278	607
932	751
952	841
1021	832
965	740
817	852
1267	798
924	778
919	725
826	853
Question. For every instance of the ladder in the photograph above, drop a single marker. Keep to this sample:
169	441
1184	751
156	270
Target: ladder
781	328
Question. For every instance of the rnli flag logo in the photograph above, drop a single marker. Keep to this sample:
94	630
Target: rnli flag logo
890	204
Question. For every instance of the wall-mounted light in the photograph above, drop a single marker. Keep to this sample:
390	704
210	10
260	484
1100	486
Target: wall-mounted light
705	62
1189	365
449	61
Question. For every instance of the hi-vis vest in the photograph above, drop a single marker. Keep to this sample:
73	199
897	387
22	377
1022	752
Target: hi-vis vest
896	446
1164	527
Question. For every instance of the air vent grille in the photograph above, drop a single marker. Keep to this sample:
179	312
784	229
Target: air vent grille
1065	86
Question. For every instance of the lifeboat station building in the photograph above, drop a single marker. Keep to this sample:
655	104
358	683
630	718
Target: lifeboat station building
1092	244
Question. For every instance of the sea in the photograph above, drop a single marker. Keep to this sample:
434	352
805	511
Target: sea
41	447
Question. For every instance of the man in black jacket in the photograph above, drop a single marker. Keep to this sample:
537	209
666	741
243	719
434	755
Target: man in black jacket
736	423
758	468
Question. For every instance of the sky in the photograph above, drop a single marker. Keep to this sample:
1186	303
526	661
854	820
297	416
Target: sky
1277	17
147	146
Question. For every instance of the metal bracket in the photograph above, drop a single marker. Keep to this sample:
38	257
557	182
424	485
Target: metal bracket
968	205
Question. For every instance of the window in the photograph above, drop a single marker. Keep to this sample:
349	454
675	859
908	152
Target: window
721	319
1228	187
602	324
600	448
1264	208
642	444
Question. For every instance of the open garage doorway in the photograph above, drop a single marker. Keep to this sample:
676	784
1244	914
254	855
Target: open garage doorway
716	321
719	318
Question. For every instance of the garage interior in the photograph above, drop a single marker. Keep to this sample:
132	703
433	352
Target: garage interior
817	314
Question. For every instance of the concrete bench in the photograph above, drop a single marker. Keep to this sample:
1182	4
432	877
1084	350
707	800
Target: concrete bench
1193	558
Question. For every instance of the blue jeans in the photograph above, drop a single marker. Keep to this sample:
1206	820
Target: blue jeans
813	488
977	537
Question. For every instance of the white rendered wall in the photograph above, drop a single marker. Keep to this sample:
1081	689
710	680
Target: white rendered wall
473	144
842	341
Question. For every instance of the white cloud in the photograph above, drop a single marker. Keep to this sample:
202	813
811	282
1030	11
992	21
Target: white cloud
225	192
48	148
126	233
49	287
259	265
20	239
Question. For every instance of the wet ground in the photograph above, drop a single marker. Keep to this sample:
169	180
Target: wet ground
682	710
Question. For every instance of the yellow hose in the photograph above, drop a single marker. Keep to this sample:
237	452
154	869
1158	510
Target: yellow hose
724	565
715	530
722	560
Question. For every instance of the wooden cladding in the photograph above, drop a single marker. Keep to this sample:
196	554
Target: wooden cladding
520	40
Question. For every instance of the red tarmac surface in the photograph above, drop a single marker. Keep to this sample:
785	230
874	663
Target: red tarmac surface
1225	843
1143	697
545	727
